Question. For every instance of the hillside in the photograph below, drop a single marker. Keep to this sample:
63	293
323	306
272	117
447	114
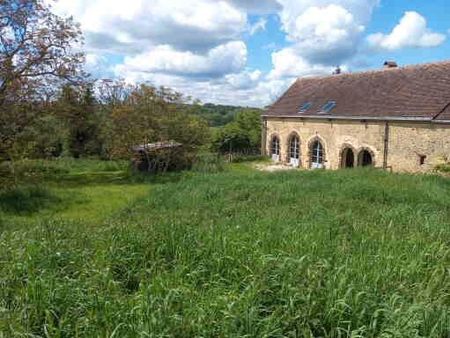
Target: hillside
237	253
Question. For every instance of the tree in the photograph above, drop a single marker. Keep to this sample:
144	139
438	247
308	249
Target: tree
35	46
143	114
241	135
37	52
77	108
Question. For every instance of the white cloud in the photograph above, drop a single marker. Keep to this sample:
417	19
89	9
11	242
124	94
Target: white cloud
224	59
257	6
244	80
326	35
258	26
127	26
291	9
287	63
231	90
94	60
411	31
196	46
326	32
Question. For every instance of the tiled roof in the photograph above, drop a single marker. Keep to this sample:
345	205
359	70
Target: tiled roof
445	115
414	92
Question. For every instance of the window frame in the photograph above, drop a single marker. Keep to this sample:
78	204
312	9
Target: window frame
328	107
317	154
275	145
305	107
294	147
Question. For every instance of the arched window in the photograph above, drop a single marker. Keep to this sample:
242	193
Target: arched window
275	148
365	158
348	158
317	155
294	151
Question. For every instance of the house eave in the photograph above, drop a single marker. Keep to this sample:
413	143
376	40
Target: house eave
358	118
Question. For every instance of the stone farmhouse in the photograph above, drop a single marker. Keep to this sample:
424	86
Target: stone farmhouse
394	118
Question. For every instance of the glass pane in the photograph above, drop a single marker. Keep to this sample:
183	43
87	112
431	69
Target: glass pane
317	153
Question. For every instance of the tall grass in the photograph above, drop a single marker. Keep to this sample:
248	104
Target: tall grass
68	169
240	253
27	199
208	163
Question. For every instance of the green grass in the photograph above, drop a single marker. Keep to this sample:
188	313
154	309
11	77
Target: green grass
238	253
64	190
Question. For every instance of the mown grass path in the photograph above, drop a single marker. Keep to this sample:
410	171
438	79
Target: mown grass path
241	254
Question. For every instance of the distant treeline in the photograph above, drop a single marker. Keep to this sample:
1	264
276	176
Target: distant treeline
217	115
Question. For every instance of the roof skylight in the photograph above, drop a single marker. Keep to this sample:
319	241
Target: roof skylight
305	107
328	107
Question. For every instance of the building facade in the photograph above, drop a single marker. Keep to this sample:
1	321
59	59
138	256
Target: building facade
396	118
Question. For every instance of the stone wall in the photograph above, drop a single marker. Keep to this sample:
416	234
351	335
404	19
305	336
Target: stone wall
409	143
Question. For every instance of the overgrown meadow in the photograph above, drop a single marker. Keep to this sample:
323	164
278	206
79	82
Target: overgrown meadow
93	252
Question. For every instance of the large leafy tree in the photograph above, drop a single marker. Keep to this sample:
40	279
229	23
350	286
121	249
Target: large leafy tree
38	51
36	46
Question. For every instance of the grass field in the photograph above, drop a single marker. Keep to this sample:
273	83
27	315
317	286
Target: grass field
233	254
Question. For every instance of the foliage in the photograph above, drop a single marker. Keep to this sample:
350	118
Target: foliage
35	46
243	134
36	55
144	114
77	108
216	115
241	253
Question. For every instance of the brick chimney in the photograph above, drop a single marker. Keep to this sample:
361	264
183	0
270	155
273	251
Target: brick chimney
337	71
390	64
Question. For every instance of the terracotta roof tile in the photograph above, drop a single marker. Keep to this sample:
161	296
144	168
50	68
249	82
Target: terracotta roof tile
421	91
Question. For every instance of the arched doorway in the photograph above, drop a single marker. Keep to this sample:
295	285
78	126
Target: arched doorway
365	158
294	150
275	148
348	158
317	155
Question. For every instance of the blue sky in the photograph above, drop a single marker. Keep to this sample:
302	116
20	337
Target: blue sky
248	52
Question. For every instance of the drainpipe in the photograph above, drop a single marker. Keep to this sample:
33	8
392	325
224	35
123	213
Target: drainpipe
386	145
263	136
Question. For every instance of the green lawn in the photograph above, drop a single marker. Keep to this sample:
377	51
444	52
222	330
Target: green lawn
233	254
